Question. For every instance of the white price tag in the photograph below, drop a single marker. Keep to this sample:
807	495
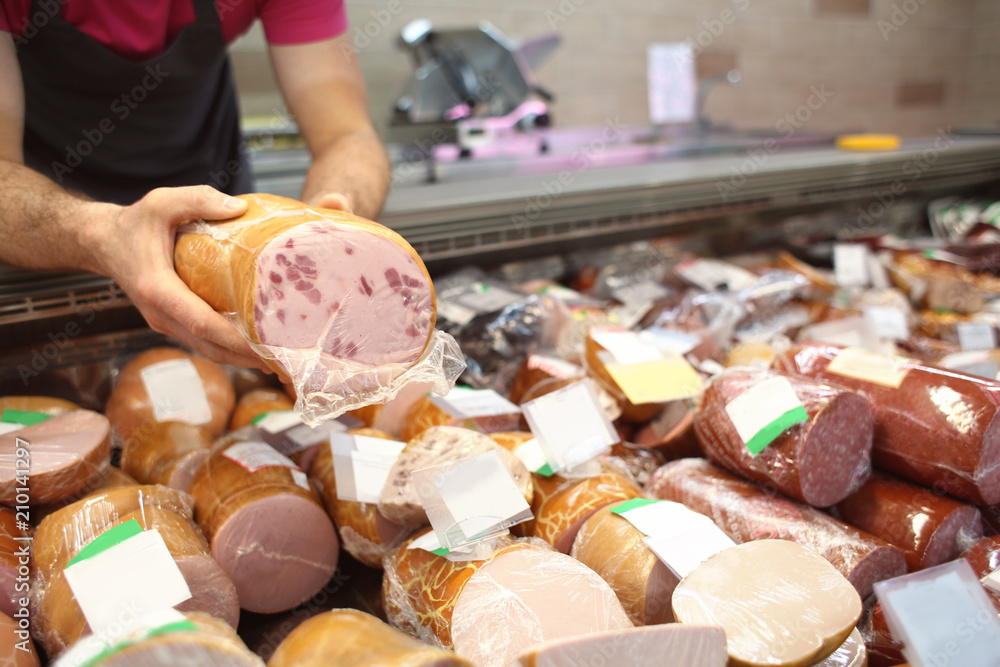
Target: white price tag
942	611
662	517
6	428
869	366
277	421
361	465
888	323
252	456
847	332
570	425
980	363
850	264
471	499
992	581
131	578
764	411
644	292
455	312
554	366
713	274
625	346
531	455
683	553
301	479
976	336
305	436
176	392
473	403
676	342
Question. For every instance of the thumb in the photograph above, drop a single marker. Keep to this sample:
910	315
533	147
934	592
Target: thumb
336	201
179	205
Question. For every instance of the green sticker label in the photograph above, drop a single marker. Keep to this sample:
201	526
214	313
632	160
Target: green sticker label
259	418
108	539
443	551
929	253
186	625
545	471
767	434
23	417
635	503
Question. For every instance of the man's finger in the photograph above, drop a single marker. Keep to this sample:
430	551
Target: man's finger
178	205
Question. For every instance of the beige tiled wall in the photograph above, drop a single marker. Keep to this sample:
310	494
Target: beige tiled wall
905	66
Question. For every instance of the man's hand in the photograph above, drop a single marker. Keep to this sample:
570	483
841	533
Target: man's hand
135	247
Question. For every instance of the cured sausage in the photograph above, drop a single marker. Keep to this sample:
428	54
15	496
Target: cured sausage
929	528
256	402
984	557
939	428
14	547
674	644
746	512
820	461
305	278
167	453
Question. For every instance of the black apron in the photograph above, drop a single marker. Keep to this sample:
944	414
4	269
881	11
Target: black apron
115	129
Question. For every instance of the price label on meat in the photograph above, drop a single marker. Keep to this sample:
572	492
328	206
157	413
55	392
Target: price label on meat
124	568
470	500
869	366
176	392
95	649
252	456
976	336
14	420
942	615
361	464
570	425
850	264
764	411
473	403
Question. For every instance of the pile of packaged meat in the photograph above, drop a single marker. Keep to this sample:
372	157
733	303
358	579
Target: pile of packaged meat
658	460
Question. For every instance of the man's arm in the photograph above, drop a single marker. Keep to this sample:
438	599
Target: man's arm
44	227
325	92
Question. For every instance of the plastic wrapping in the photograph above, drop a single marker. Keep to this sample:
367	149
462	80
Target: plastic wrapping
364	532
358	301
58	457
794	610
938	428
747	512
266	525
489	611
929	528
425	413
616	550
57	620
207	642
13	539
633	462
671	433
984	557
674	644
255	403
436	446
16	649
350	638
819	461
561	512
130	406
852	653
167	453
107	478
883	650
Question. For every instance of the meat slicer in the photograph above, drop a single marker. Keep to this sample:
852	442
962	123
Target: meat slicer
470	87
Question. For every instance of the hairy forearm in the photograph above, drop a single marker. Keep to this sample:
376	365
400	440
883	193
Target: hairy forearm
43	226
354	165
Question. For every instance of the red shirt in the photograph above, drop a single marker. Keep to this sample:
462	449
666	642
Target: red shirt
145	28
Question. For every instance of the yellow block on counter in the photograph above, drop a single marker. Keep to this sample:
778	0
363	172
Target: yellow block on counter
868	142
657	381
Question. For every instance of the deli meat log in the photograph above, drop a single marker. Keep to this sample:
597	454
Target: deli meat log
938	428
747	512
304	278
167	453
820	461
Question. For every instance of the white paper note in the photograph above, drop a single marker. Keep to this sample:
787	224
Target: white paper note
176	392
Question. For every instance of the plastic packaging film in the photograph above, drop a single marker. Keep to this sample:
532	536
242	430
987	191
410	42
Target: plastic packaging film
192	638
58	620
12	536
747	512
364	532
984	557
929	528
819	461
167	384
490	611
435	446
57	456
938	428
257	402
167	453
350	638
794	610
243	497
342	306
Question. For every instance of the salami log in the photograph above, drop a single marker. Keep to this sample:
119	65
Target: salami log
794	610
820	461
255	403
984	557
65	452
560	515
490	611
435	446
929	528
350	638
747	512
938	428
16	650
15	550
167	453
364	532
312	279
206	400
615	549
674	644
266	526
